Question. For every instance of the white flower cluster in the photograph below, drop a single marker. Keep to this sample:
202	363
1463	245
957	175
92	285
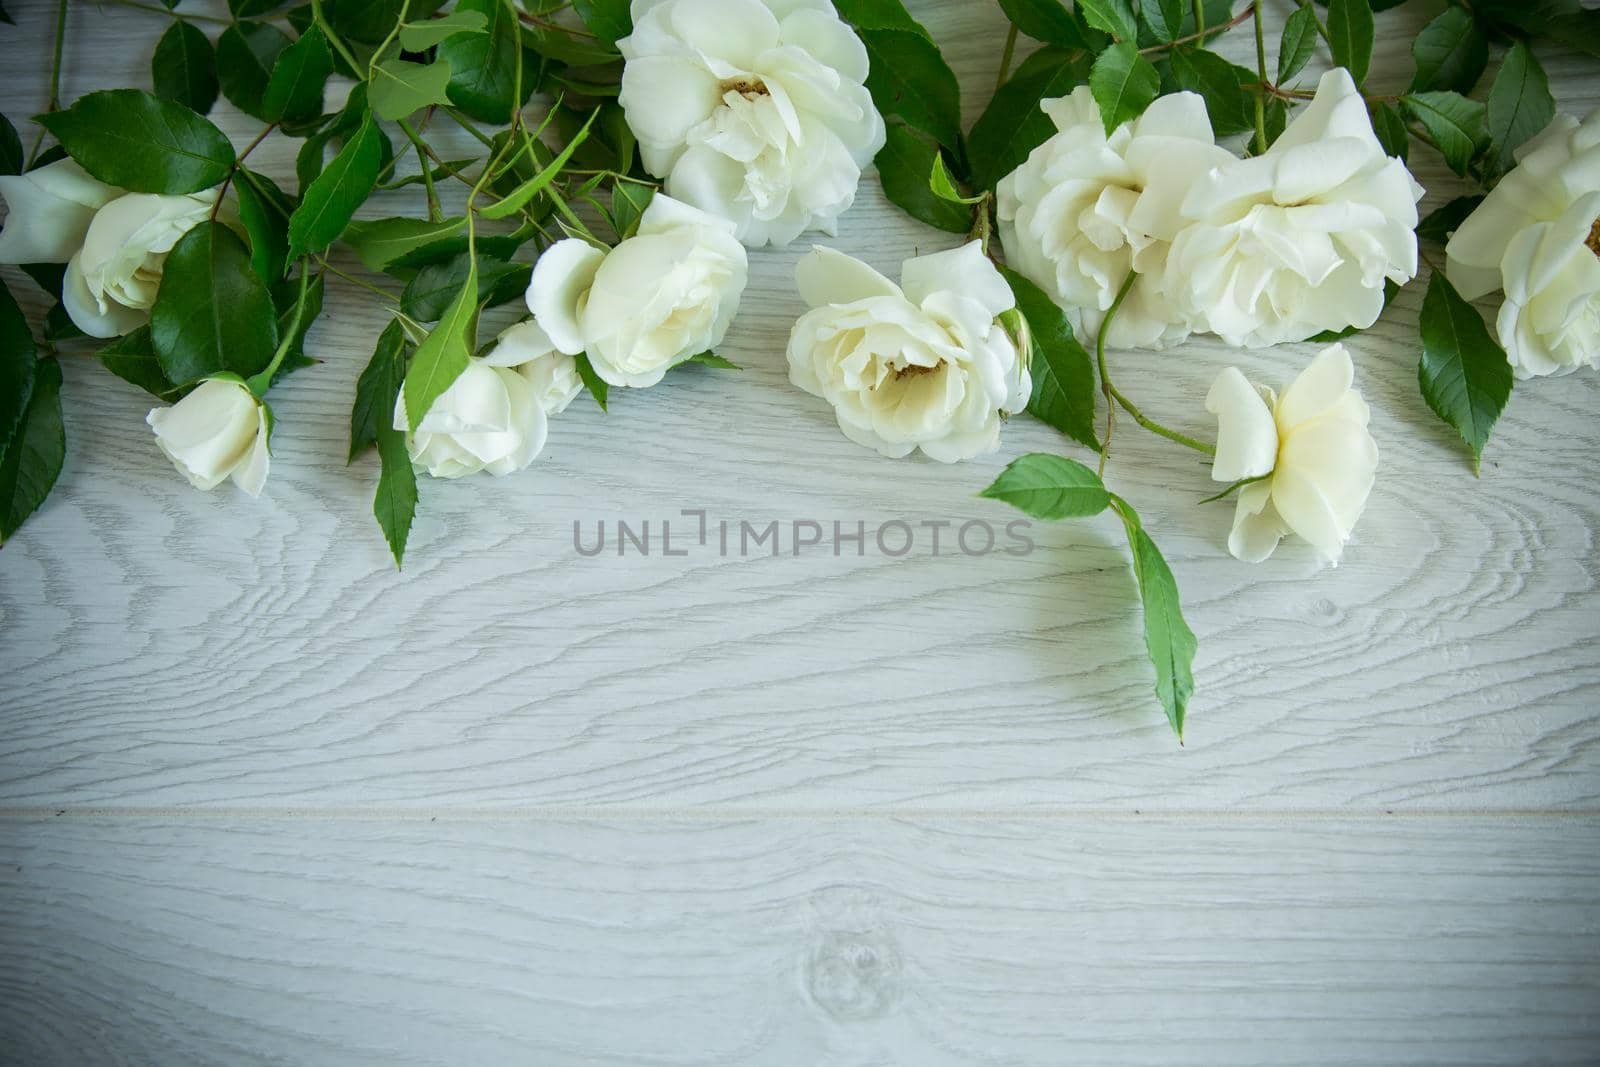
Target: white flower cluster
1276	247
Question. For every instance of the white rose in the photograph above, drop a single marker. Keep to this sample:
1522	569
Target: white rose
1537	236
1085	209
922	364
48	212
113	279
1310	448
552	375
219	431
1299	239
665	294
754	110
487	420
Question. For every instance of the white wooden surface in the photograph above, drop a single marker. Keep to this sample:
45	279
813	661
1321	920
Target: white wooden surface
265	800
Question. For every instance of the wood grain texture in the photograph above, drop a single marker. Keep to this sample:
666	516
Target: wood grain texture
857	942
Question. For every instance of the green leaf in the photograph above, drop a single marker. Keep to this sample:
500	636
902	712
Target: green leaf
1298	42
428	296
367	21
1062	371
1520	104
294	91
593	382
608	20
1350	36
1013	124
1390	128
308	161
184	68
264	212
1050	21
1113	16
903	165
421	36
18	356
244	9
400	87
943	185
1168	640
11	158
1123	82
246	54
571	47
132	358
444	354
394	504
33	458
212	313
1455	123
1164	17
328	203
519	197
628	201
483	66
285	298
909	78
377	387
1231	108
142	143
1451	52
711	359
382	241
1444	221
1049	487
879	15
1465	376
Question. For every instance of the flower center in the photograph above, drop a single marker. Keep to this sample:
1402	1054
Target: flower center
746	85
1593	241
913	370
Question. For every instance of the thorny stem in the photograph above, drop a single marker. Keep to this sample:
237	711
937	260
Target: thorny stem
1261	69
1200	18
55	75
1230	24
434	211
1005	57
462	121
333	38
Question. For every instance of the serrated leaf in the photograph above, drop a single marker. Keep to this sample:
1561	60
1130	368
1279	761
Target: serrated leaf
1049	487
628	201
377	387
1350	35
1455	124
139	142
33	457
428	296
483	66
1444	221
1123	82
212	313
444	353
608	20
1297	43
879	15
400	87
1520	104
1113	16
519	197
184	68
1169	642
1164	17
327	205
909	77
11	158
18	356
394	504
294	90
903	165
246	54
1062	371
1465	376
1451	52
421	36
1390	128
711	359
1050	21
132	358
593	382
1013	124
380	242
1229	106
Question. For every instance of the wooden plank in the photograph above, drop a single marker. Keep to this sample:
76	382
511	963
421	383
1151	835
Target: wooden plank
1236	941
